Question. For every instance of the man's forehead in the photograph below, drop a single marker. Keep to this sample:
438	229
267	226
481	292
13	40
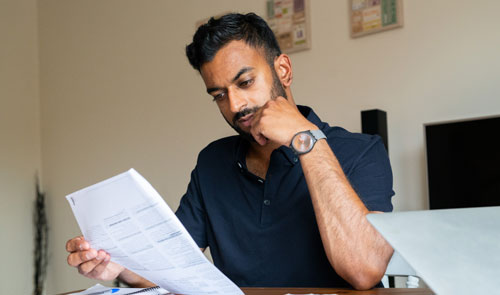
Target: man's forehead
230	60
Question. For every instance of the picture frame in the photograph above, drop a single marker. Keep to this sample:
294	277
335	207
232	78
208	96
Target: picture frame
373	16
291	23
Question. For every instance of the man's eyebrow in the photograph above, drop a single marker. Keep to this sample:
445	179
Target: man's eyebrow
210	90
241	72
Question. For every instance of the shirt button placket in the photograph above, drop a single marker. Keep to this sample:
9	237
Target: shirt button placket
266	203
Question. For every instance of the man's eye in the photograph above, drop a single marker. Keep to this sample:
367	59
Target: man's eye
219	96
246	83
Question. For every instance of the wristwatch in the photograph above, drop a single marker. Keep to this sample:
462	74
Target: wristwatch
303	142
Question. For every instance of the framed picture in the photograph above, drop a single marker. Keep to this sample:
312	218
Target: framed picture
373	16
290	22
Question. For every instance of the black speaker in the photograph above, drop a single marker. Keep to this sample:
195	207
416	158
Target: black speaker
375	122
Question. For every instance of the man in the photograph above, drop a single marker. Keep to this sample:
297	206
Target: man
285	202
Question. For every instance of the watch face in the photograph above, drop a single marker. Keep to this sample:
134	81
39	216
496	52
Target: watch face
303	142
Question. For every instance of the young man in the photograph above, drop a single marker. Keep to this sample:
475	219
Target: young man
284	203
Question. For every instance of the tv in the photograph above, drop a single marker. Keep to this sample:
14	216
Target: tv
463	163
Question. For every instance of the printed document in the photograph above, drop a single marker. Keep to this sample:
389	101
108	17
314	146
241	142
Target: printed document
126	217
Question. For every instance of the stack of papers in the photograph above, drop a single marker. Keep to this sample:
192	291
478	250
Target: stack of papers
126	217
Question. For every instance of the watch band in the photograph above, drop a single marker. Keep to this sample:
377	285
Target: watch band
318	134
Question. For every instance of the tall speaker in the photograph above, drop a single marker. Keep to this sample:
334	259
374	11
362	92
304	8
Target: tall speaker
375	122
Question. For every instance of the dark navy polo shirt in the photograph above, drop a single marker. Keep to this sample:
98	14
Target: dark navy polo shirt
263	233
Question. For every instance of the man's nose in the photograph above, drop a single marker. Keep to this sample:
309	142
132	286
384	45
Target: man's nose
237	102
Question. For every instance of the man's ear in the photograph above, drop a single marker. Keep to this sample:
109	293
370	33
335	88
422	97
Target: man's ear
283	67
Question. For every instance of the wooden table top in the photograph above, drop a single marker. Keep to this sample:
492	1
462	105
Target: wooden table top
377	291
308	291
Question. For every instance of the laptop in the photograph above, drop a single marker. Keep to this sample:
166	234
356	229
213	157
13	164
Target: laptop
455	251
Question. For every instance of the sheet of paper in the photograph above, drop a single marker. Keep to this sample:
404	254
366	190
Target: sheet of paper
126	217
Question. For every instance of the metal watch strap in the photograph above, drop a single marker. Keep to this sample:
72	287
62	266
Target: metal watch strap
318	134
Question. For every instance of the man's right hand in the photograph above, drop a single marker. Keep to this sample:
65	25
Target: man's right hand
90	262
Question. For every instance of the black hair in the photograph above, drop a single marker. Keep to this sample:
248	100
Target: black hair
216	33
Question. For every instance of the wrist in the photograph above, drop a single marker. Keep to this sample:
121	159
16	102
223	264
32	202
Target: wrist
304	141
133	280
304	127
308	126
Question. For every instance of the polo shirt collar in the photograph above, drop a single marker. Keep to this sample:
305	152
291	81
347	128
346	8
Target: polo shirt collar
243	145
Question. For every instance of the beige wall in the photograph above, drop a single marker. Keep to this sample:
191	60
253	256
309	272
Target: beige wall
19	142
444	64
117	92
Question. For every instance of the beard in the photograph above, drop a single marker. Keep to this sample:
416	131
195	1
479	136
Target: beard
276	90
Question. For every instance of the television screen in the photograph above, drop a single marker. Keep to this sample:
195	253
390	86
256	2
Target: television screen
463	163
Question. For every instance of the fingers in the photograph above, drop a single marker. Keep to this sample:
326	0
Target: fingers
88	268
277	121
274	122
79	257
80	251
256	132
77	244
255	127
89	262
260	139
100	268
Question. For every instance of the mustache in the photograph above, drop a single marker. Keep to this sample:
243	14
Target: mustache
243	113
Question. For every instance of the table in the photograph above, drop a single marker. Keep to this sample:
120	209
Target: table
377	291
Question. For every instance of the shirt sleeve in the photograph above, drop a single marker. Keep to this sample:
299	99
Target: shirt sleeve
371	177
191	211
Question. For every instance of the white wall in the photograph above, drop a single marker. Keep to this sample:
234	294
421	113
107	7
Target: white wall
19	142
444	64
117	91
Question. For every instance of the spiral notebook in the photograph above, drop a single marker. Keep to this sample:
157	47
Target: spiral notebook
151	291
99	289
